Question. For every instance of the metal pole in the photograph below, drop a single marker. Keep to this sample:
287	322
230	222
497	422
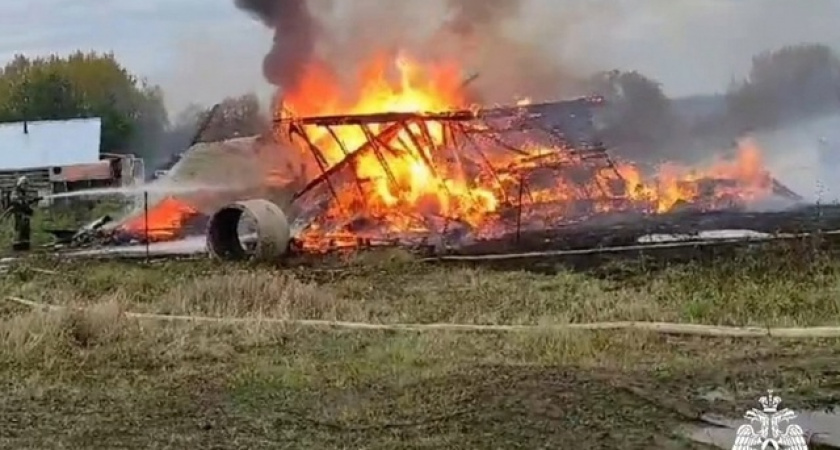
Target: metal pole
146	221
519	211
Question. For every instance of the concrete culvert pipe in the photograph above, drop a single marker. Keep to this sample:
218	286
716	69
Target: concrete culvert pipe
252	229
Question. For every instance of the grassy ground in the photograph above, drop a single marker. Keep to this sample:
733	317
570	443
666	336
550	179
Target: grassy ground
95	379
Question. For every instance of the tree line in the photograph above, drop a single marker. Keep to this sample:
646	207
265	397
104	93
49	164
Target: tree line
792	83
134	118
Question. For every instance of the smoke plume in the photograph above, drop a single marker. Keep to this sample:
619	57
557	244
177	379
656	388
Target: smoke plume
492	39
488	37
667	40
296	32
545	49
469	16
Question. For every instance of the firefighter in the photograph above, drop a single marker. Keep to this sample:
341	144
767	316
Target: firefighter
21	201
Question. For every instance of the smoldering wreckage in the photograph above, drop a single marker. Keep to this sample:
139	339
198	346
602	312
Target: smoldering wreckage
528	180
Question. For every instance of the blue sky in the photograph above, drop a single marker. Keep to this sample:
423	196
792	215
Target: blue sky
203	49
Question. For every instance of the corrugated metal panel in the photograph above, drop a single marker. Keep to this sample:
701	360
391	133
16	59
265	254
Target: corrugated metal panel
49	143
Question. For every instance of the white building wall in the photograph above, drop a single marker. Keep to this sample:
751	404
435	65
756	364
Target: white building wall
49	143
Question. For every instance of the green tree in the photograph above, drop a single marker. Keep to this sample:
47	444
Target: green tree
85	85
237	117
234	117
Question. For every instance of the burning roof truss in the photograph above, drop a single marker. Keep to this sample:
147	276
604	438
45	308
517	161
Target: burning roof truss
466	175
539	162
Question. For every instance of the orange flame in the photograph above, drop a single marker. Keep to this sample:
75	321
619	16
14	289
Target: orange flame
411	183
748	180
414	186
165	219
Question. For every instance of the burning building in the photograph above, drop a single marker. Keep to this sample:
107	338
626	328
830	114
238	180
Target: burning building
409	151
410	162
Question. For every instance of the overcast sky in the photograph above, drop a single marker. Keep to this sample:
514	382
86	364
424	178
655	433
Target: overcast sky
205	49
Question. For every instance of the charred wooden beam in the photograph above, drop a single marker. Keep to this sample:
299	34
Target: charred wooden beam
346	152
501	143
418	145
208	119
469	80
535	110
488	166
447	140
782	190
337	140
379	118
388	133
379	143
426	135
319	157
424	159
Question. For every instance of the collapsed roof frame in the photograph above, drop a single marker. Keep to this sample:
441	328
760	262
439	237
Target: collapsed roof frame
461	131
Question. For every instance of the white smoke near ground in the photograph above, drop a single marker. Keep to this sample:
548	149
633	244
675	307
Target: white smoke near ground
806	158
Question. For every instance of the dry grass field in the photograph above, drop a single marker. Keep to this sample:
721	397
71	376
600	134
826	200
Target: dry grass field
90	377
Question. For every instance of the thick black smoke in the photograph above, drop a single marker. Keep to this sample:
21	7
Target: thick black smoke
473	32
296	32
